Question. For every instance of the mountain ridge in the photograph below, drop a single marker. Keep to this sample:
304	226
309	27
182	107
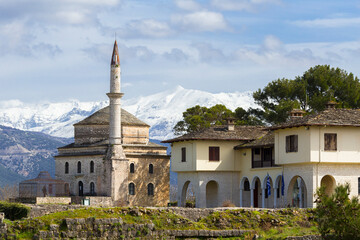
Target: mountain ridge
160	110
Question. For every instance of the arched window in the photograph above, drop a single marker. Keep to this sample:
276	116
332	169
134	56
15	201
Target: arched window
66	168
92	188
132	168
151	168
151	189
81	188
131	189
79	167
91	166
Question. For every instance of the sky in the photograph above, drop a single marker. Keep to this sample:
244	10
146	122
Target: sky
61	50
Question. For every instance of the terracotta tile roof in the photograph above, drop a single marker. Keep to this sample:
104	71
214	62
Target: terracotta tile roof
264	141
328	117
245	133
102	117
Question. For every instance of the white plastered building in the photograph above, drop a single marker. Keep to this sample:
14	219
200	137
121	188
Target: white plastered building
239	163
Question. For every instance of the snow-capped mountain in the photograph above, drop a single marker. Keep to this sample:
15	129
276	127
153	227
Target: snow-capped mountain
161	111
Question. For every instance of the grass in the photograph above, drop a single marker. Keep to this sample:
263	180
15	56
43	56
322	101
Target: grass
265	223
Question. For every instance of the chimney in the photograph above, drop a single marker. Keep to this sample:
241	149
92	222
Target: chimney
296	113
330	105
231	124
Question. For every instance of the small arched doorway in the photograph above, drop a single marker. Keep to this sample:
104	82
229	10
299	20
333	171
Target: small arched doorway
269	192
81	188
212	194
256	187
245	193
297	193
187	195
329	183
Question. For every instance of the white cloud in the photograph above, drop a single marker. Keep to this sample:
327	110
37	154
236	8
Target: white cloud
201	21
241	5
208	53
176	55
146	28
328	22
189	5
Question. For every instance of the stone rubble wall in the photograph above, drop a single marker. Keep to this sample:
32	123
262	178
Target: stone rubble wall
53	200
114	228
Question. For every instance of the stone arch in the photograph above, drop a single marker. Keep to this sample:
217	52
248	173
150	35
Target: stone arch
297	192
185	194
80	188
212	189
269	199
277	191
329	183
245	193
256	192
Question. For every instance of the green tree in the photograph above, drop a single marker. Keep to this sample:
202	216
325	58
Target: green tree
198	118
310	92
338	216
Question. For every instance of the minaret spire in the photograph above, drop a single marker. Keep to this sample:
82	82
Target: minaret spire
115	98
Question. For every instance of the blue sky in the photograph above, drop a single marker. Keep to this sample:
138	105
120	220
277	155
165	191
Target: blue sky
59	50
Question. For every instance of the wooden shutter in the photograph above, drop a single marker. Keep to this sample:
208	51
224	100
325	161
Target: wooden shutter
330	141
214	153
287	145
217	153
295	143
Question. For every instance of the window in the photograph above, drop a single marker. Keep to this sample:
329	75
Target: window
132	168
92	188
79	167
66	168
151	168
151	189
292	143
262	157
91	166
131	189
183	154
214	153
330	141
246	185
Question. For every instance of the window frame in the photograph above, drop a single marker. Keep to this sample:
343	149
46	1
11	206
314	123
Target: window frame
328	137
79	167
151	189
66	168
183	154
92	167
131	189
132	168
214	153
92	188
292	143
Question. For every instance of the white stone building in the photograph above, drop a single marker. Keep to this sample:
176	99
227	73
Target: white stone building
272	167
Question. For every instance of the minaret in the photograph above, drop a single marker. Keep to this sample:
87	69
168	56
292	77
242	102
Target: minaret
116	164
115	98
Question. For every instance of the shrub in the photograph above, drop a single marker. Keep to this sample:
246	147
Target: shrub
190	204
14	211
338	216
228	203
